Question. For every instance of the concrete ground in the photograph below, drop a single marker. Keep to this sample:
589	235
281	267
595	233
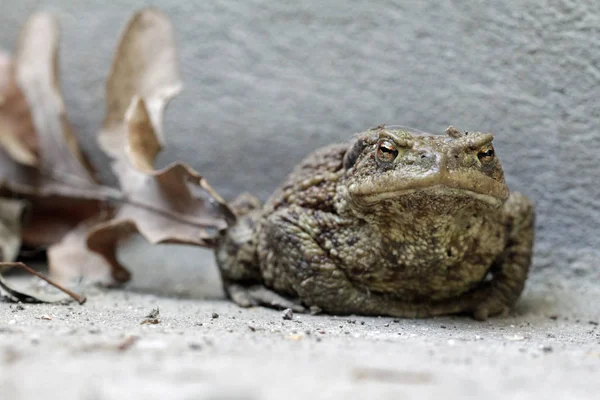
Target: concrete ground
211	349
266	83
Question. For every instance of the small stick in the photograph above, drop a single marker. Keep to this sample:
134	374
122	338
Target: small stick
77	297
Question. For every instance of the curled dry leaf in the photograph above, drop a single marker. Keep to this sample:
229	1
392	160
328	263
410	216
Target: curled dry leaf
171	205
17	133
37	75
41	159
145	65
63	170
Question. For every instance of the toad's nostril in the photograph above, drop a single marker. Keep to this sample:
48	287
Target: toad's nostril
425	154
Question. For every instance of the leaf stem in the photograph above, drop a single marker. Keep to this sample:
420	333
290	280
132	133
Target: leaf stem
77	297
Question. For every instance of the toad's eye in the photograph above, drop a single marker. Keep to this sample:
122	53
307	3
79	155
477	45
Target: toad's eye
386	151
486	155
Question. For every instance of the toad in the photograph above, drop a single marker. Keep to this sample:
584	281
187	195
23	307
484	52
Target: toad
396	222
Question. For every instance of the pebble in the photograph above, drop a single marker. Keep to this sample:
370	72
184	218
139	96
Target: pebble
547	349
287	314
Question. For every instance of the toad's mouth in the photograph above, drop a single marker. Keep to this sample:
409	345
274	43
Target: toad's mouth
440	186
437	191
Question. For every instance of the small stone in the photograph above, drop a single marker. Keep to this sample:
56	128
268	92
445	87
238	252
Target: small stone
252	329
547	349
195	346
215	315
288	314
153	314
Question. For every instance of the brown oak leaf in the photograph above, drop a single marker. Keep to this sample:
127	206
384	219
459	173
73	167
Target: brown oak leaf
171	205
40	158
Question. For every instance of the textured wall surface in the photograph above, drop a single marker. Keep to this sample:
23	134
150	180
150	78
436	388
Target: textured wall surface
269	81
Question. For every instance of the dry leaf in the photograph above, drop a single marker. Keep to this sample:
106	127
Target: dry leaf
172	205
63	170
37	75
52	217
71	259
145	65
11	214
43	162
17	133
10	241
41	158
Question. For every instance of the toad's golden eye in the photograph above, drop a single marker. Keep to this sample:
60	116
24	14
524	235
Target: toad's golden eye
486	155
386	151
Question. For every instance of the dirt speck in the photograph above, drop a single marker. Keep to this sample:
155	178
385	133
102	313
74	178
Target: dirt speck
127	343
153	314
391	376
195	346
547	349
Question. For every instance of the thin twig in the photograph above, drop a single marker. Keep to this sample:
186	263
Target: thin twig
77	297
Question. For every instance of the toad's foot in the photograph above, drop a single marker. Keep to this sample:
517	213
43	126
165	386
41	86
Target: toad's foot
249	296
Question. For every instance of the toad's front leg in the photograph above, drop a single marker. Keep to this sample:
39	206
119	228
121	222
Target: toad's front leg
510	270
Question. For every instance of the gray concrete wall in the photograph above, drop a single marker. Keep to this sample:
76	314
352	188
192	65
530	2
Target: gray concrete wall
269	81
